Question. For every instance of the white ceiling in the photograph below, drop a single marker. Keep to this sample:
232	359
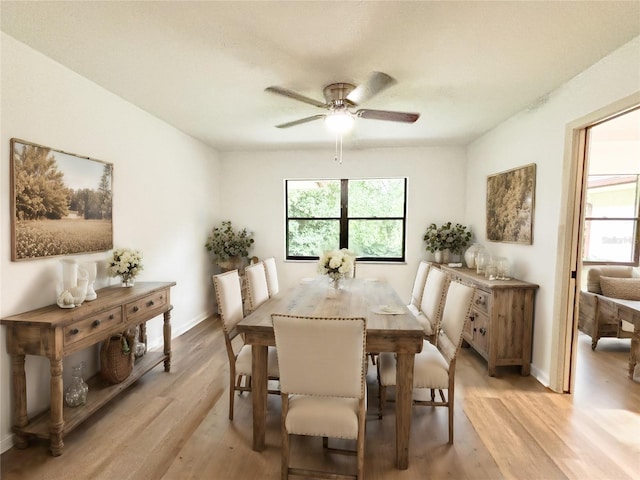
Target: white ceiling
203	66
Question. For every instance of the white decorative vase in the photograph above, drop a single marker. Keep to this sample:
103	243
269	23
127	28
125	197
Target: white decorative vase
69	273
470	255
92	270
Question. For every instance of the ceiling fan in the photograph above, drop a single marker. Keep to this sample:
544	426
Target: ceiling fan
341	97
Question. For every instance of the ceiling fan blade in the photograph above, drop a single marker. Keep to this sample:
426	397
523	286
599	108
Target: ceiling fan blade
296	96
387	115
302	120
377	82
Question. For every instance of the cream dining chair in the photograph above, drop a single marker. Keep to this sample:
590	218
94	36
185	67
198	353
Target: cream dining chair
434	367
272	276
418	287
322	381
432	302
257	287
229	297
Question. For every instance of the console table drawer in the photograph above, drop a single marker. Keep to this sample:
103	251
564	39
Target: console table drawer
97	325
481	301
144	308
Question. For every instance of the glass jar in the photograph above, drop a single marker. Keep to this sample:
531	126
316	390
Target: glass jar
482	259
504	268
76	393
491	271
139	348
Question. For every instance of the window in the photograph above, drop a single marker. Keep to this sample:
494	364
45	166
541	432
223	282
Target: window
611	219
367	216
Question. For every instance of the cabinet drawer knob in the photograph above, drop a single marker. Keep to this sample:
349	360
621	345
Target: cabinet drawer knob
480	301
111	317
96	323
150	303
483	331
135	309
74	331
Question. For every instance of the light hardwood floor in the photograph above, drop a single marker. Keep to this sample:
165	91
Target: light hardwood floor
174	426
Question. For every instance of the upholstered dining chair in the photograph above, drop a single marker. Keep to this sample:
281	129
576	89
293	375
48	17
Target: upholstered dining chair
435	366
418	287
229	297
272	276
257	288
432	302
322	381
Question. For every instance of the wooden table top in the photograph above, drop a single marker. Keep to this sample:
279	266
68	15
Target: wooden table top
358	298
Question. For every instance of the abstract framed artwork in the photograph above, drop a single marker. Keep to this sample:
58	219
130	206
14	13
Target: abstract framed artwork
510	205
61	203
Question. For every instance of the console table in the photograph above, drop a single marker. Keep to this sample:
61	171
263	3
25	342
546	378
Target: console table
500	326
55	333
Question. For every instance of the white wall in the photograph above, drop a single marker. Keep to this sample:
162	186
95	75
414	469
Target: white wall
537	135
165	199
253	197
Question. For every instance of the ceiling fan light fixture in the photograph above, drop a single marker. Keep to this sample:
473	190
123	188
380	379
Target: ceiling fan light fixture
339	121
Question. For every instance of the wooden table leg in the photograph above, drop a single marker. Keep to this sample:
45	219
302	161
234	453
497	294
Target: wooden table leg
404	402
166	331
633	353
57	406
19	398
259	356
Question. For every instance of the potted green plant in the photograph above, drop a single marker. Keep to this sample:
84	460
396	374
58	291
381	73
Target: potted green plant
446	238
229	247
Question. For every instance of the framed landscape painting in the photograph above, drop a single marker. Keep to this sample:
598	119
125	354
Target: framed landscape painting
510	204
61	203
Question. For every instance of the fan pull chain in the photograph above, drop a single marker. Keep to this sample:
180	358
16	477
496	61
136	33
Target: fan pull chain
338	156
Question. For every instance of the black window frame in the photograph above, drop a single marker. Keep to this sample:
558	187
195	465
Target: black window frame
636	219
344	220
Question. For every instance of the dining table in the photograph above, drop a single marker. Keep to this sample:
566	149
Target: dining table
390	328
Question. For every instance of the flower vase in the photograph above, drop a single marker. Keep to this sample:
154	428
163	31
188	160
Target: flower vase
76	393
337	283
442	256
232	263
128	282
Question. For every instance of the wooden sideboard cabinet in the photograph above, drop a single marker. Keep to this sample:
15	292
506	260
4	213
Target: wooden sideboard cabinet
500	327
55	333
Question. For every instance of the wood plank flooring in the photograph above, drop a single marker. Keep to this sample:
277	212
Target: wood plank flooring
174	426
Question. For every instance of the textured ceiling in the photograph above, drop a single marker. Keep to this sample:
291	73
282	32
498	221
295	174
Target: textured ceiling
203	66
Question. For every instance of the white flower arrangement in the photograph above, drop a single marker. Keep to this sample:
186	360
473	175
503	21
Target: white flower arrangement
125	263
336	263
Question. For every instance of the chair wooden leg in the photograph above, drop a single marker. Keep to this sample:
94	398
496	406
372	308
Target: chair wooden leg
362	425
232	391
450	398
382	392
284	465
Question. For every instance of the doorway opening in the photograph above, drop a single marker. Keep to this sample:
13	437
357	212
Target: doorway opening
604	228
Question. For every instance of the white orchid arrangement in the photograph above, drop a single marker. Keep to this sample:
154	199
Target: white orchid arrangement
336	263
125	263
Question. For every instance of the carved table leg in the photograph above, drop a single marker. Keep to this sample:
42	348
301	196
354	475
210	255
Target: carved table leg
57	406
167	339
633	353
19	398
